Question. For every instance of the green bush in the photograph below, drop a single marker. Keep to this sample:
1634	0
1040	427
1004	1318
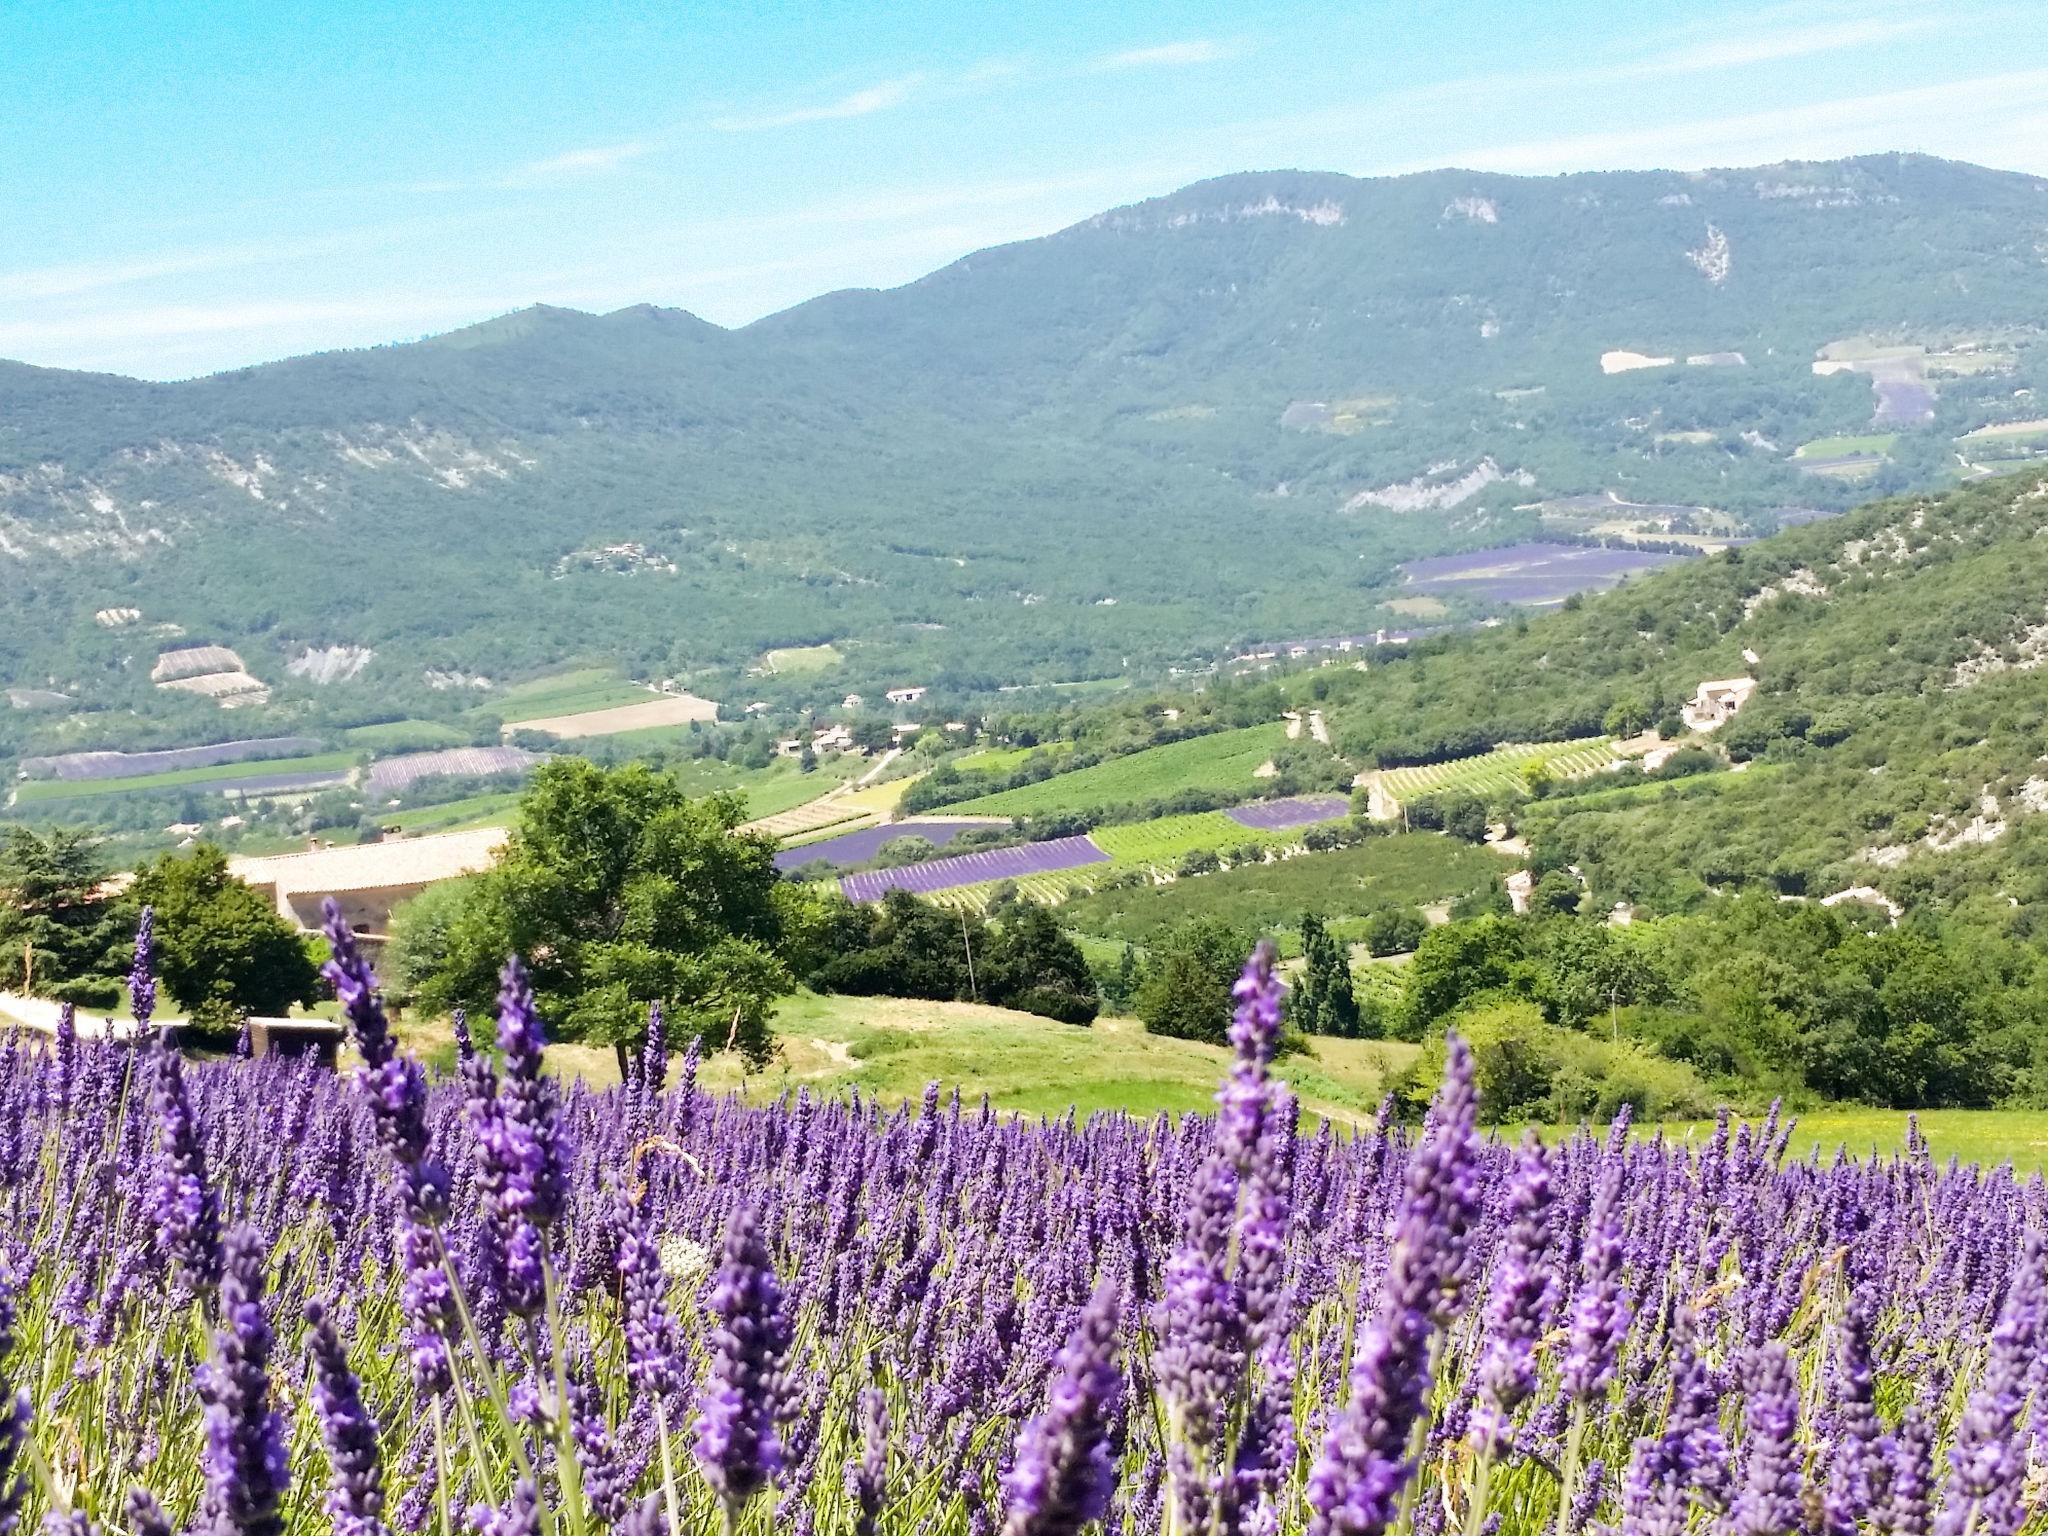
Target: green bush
1529	1069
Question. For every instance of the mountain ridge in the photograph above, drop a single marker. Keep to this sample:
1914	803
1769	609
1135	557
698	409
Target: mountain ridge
1122	446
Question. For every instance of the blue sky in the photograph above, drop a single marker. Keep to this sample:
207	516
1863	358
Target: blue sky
186	187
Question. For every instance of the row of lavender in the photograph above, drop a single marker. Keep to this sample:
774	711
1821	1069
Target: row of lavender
253	1297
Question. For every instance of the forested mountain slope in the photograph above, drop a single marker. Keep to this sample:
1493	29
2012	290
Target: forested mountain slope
1217	416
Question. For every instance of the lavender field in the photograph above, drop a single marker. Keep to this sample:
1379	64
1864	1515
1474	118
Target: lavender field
260	1297
1294	811
859	847
972	868
1535	574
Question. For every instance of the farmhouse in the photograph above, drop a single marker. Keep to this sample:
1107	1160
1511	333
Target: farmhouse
851	701
905	695
368	881
1714	704
834	738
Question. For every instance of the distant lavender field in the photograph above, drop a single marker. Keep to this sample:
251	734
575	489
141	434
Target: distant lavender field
972	868
127	765
395	774
859	847
1295	811
1529	573
271	783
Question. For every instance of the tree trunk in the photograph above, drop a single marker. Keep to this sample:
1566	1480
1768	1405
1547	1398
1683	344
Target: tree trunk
625	1062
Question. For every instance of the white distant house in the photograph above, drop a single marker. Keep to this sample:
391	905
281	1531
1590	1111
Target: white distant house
905	695
851	701
1714	704
791	747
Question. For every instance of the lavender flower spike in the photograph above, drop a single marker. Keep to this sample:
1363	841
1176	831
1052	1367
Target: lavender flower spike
15	1413
142	974
1062	1477
246	1470
1519	1297
742	1402
1254	1031
179	1199
867	1479
1987	1459
355	1497
1355	1486
1769	1503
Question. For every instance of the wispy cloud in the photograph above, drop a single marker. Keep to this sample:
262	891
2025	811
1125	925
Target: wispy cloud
1974	116
1166	55
578	164
861	103
1772	47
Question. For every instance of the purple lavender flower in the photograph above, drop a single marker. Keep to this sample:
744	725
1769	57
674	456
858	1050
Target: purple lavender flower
355	1497
1768	1503
246	1470
867	1478
16	1413
1254	1030
607	1479
743	1401
465	1048
1987	1459
1855	1470
142	974
1600	1309
1062	1476
520	1515
145	1516
180	1199
1909	1508
1519	1297
653	1347
1355	1486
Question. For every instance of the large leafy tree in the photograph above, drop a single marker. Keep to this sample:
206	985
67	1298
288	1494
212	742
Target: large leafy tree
221	948
57	924
619	890
1186	988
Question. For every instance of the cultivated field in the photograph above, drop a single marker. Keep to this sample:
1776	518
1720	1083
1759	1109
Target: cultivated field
1408	869
1529	573
279	774
654	712
1225	761
801	658
1499	771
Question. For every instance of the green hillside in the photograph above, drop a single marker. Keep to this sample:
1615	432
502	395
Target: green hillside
1895	740
1211	419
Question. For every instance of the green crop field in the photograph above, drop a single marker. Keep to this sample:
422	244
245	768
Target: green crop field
1164	841
1006	759
1842	447
1499	771
493	810
1409	869
405	736
45	791
1224	761
802	658
567	693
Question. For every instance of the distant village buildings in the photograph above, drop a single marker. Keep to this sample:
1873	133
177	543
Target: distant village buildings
906	695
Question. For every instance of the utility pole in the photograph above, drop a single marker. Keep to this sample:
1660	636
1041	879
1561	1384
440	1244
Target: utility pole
1614	1011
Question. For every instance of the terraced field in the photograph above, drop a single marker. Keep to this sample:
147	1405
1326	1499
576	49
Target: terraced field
1166	840
1225	761
1499	771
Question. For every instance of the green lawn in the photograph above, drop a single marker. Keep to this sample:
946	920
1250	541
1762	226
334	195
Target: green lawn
1224	761
43	791
1404	870
892	1047
1006	759
1164	840
1984	1136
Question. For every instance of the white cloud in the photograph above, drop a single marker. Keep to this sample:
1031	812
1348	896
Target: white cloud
576	164
1167	55
875	98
